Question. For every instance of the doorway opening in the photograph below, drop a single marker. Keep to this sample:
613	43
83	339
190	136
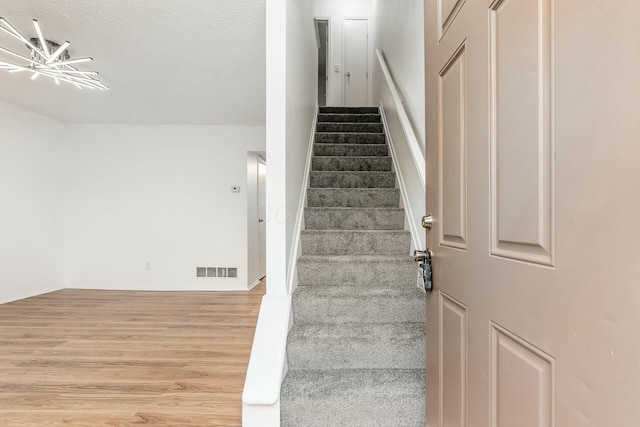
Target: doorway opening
256	217
322	32
262	213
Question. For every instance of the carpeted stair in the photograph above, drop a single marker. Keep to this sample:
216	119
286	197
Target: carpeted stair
356	350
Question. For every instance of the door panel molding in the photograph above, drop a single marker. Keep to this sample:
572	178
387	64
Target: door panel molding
453	362
452	150
447	12
522	131
522	377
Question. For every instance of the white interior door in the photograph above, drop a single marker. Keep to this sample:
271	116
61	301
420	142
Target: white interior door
356	62
262	212
533	160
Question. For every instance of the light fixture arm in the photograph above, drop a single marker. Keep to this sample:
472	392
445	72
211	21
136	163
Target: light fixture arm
47	59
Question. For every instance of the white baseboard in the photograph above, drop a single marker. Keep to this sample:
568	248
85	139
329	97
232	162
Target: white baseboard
25	295
292	276
254	284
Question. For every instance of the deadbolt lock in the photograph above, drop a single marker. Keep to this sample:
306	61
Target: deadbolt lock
427	221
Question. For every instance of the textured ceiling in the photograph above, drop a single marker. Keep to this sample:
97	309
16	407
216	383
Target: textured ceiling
166	61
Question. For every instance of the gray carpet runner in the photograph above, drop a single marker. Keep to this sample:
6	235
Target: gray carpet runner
356	350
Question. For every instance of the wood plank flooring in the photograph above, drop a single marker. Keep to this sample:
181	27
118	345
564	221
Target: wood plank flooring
126	358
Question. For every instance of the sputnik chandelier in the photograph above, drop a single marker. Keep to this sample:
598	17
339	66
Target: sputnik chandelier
48	59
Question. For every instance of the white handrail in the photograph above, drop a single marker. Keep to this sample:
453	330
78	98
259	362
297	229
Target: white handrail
412	140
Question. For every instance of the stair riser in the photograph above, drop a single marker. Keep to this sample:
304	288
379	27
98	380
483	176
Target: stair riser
330	163
348	118
352	179
349	127
355	243
357	346
353	219
350	273
350	150
370	308
350	138
348	110
356	198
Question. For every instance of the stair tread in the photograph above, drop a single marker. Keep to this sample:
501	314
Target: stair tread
354	397
385	291
358	117
357	258
373	232
354	189
338	110
350	127
334	164
351	172
359	331
348	208
346	303
350	138
368	150
356	345
324	144
348	114
351	123
341	133
349	157
352	179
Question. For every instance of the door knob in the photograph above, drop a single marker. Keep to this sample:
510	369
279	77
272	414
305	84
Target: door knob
427	221
348	74
420	256
260	220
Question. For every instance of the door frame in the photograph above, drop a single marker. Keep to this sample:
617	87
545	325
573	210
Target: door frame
344	56
316	19
262	256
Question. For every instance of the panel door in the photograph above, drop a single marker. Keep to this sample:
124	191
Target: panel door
533	154
356	62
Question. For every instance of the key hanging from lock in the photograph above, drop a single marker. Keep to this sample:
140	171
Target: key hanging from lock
426	274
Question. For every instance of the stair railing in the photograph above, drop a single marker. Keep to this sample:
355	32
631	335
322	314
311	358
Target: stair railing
408	158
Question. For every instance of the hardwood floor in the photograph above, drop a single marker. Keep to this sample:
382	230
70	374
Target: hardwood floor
126	358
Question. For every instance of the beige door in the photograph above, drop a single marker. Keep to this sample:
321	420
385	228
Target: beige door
356	62
533	160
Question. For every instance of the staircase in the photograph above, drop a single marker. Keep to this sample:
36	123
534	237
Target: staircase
356	350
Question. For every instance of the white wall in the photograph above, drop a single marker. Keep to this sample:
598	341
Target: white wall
291	98
31	204
157	195
337	11
302	66
399	34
